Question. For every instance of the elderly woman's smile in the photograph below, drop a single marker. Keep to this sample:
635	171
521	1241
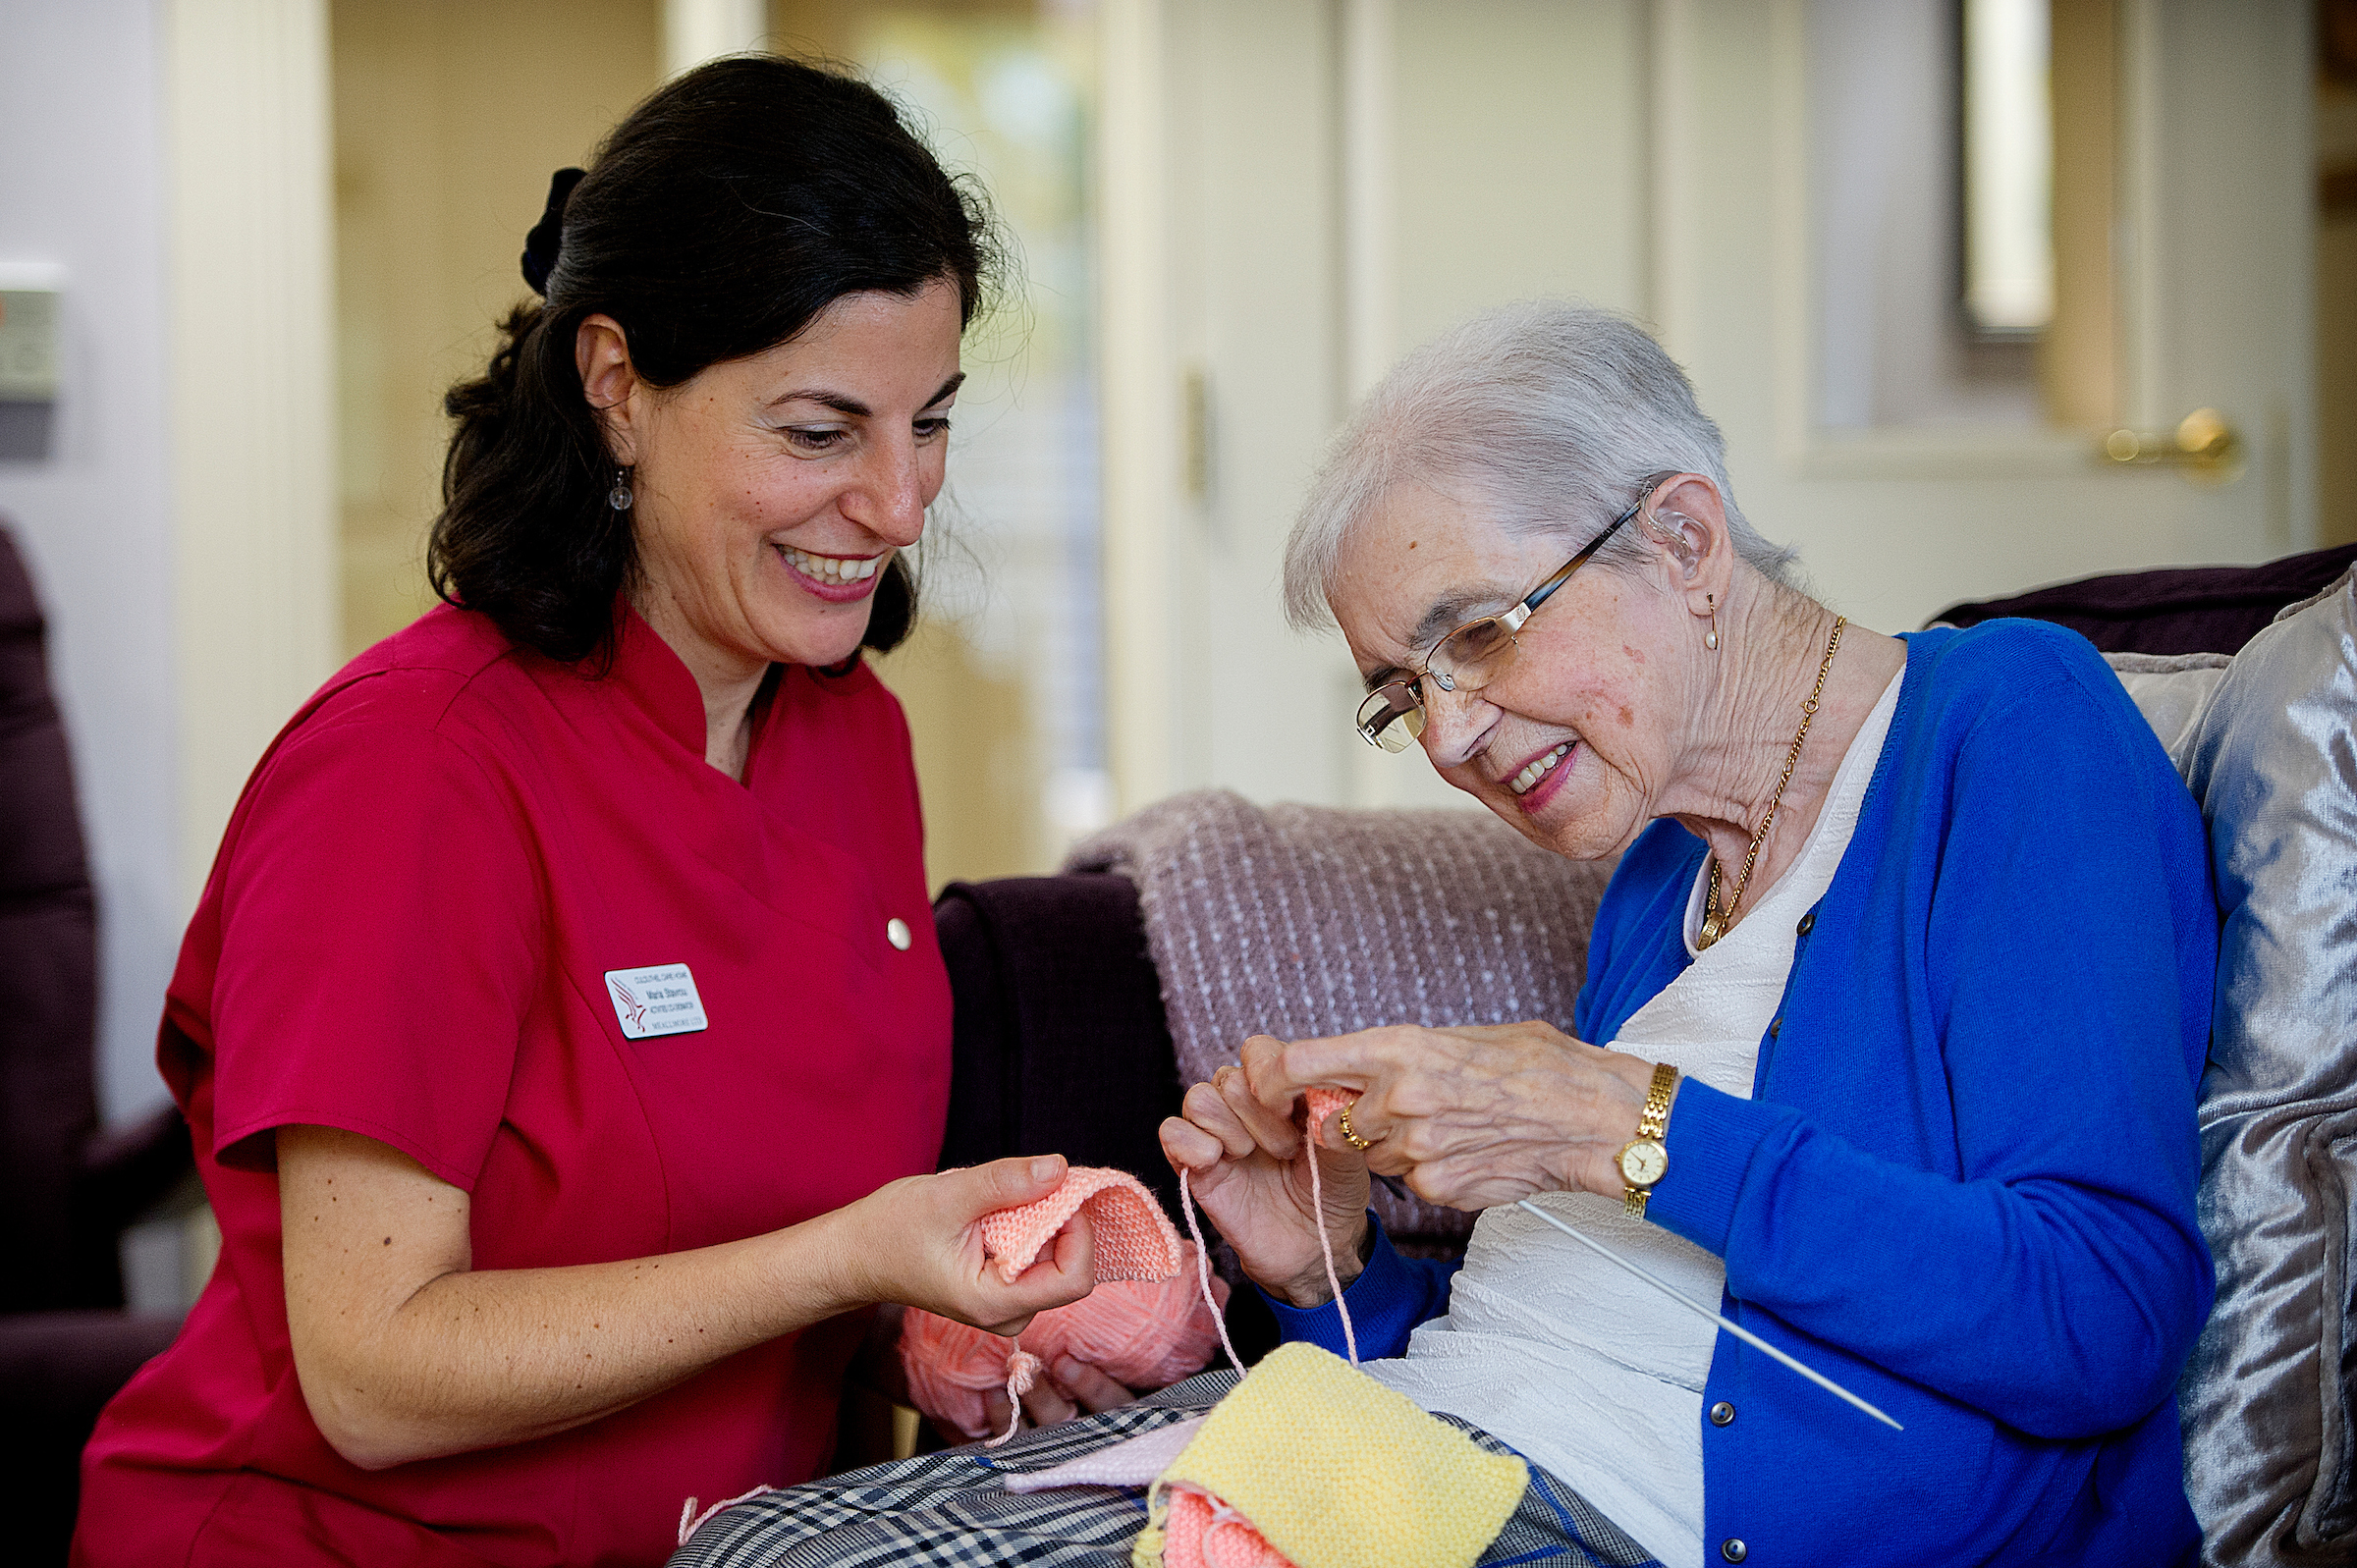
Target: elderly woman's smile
1557	739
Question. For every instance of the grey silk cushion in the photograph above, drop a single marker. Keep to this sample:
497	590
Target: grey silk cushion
2272	758
2171	691
1305	921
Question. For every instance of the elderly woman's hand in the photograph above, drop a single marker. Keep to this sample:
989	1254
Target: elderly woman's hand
1242	1162
1471	1116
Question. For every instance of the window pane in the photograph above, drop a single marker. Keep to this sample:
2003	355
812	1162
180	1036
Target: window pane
2008	168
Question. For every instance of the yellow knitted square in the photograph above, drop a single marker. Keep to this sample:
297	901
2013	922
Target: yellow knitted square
1336	1470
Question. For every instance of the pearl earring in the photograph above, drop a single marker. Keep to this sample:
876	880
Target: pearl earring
1710	638
620	496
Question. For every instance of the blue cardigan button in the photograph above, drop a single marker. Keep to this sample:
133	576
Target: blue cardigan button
1807	923
1723	1414
1733	1550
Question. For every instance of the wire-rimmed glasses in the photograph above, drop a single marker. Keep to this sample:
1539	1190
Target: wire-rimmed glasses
1467	659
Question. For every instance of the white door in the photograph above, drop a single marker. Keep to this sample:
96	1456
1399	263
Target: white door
1295	192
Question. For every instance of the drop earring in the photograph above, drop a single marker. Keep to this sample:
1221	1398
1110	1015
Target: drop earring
620	496
1710	638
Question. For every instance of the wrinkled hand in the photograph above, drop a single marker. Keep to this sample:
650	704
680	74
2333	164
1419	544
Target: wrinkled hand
1471	1116
1066	1389
1241	1155
918	1241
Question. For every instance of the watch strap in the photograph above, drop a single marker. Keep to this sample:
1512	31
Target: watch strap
1651	1122
1655	1116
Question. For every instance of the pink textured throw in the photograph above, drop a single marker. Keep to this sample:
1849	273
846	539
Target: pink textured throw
1133	1240
1304	922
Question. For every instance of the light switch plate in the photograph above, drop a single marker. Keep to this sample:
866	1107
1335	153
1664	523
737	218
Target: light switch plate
29	297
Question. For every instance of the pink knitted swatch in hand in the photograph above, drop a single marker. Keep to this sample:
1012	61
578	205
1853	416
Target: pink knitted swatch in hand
1133	1240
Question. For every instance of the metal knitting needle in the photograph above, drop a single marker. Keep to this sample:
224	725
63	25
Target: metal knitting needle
1691	1305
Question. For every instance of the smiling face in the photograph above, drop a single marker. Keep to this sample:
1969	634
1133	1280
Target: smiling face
1577	739
771	491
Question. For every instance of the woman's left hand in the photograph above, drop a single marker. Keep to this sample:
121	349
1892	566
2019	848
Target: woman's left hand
1471	1116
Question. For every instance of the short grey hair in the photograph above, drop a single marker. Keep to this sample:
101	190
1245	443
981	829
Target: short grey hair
1551	414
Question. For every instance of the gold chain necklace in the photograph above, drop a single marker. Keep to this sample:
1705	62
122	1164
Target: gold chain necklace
1716	920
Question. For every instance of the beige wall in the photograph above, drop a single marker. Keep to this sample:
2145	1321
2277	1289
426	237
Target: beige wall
2336	301
449	119
253	436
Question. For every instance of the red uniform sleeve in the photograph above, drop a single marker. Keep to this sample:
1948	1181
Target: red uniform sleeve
381	930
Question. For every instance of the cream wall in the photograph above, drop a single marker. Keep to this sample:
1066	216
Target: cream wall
251	375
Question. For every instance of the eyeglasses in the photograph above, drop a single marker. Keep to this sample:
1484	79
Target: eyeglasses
1469	658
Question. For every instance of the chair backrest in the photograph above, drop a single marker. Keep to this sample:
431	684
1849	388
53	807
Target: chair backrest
1059	1044
2173	609
48	983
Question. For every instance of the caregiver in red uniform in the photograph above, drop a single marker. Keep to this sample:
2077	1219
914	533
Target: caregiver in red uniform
562	1029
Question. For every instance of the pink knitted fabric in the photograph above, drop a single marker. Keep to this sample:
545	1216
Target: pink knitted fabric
1323	1101
1202	1532
1140	1334
1135	1241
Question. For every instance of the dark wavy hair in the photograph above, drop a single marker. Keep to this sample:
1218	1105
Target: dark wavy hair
724	214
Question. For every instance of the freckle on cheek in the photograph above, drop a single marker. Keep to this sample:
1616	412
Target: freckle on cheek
1638	654
1626	718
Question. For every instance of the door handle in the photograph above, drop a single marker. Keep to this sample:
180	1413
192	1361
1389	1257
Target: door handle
2204	448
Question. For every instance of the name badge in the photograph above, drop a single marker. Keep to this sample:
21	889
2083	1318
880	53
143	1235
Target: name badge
656	1001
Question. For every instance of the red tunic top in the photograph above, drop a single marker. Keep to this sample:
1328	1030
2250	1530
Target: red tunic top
411	933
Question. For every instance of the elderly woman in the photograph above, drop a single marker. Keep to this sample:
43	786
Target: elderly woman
1896	1006
562	1029
1895	1012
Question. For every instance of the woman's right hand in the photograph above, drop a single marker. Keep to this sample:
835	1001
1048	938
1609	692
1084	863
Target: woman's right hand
918	1241
1243	1165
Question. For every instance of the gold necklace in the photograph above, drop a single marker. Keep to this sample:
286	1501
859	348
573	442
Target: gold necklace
1716	921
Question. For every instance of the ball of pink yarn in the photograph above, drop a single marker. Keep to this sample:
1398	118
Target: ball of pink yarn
1143	1333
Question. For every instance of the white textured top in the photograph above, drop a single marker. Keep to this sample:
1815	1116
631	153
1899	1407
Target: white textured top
1582	1366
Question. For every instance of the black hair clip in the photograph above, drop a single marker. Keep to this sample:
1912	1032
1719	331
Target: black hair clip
547	238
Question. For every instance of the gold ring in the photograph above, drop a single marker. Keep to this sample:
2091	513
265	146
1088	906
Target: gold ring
1362	1145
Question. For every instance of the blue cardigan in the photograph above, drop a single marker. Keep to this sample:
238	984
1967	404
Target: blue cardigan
1963	1186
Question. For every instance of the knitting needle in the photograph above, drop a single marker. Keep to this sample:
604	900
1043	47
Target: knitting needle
1689	1302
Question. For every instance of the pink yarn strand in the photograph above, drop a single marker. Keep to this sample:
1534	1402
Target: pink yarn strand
691	1521
1022	1373
1334	1281
1187	1205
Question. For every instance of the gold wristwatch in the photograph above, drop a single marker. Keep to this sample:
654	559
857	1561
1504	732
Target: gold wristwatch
1642	1159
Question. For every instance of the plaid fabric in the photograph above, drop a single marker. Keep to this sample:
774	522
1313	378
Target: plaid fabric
948	1510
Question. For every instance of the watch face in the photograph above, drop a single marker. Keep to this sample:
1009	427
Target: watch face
1643	1162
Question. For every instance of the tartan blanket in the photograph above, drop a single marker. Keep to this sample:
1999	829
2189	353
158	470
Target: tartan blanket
951	1510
